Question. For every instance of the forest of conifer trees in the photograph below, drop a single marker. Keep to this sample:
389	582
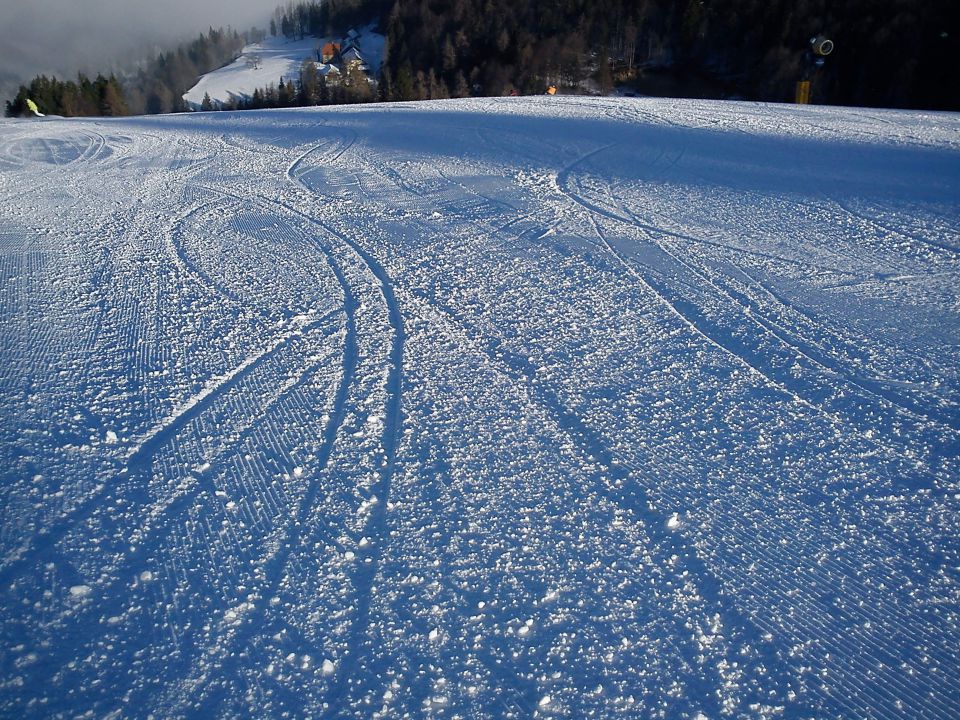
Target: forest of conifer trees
894	53
889	53
155	88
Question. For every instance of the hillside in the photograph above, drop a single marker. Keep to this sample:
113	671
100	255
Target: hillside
259	65
265	63
533	407
881	53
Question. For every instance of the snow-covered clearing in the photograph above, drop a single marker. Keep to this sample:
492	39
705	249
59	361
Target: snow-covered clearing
258	66
546	407
265	63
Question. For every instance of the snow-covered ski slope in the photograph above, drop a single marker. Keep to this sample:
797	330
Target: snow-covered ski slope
546	407
276	59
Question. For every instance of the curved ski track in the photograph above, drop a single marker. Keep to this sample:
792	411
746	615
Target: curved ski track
377	524
896	690
871	388
614	481
275	302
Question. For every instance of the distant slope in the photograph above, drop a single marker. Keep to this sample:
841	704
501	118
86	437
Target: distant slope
534	408
279	58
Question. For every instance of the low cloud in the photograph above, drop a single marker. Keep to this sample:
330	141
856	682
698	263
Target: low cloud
64	37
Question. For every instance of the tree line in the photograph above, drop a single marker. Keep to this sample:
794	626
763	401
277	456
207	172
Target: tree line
157	87
891	53
327	18
83	97
310	89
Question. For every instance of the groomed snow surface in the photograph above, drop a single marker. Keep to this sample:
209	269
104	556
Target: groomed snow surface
546	407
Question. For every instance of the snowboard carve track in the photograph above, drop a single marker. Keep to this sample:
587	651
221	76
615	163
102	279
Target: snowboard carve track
175	235
703	492
324	155
161	433
377	524
628	495
230	639
952	250
165	517
272	571
870	389
614	482
593	209
137	462
162	515
894	689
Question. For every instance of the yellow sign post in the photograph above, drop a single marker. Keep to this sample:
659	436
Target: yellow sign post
803	92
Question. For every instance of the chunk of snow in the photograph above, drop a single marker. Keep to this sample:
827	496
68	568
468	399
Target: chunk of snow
79	591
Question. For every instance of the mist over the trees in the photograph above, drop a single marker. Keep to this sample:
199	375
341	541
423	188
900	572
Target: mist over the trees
888	53
64	37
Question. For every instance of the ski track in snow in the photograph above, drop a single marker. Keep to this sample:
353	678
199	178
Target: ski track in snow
539	407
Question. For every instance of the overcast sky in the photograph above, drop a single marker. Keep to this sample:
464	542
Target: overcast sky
64	37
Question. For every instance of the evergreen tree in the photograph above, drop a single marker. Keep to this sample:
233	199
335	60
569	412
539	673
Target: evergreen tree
460	87
112	101
403	88
604	75
309	90
357	85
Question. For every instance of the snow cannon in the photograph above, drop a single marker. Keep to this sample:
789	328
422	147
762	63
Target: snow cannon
821	45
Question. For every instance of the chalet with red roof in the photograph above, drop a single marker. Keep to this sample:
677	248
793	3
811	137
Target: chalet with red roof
329	52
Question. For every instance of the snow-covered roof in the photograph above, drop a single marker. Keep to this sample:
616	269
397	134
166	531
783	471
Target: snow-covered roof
352	55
